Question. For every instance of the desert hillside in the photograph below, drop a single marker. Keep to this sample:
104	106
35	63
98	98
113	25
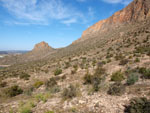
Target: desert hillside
106	71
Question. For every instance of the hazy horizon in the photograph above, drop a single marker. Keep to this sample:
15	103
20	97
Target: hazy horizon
57	22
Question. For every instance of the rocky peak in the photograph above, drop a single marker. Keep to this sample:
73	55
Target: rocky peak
136	11
42	46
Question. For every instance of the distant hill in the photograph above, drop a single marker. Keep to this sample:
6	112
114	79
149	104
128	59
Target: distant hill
40	51
13	51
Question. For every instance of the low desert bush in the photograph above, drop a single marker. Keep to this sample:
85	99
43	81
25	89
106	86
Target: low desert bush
42	97
13	91
24	76
145	72
137	60
69	92
142	70
132	78
58	71
38	84
87	78
116	89
138	105
96	79
96	83
117	76
26	107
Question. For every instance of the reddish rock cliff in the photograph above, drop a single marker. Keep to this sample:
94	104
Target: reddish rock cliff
136	11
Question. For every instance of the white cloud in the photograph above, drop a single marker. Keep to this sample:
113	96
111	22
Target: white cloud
41	11
70	21
125	2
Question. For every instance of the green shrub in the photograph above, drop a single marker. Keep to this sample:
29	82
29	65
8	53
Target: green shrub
138	105
11	111
42	97
145	72
137	60
13	91
57	71
26	110
69	92
103	62
38	84
88	78
26	107
96	79
132	79
142	70
75	67
24	76
117	76
116	89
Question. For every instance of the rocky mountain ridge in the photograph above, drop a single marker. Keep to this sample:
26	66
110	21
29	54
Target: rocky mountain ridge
138	10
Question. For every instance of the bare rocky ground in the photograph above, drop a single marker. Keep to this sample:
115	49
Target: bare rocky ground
86	101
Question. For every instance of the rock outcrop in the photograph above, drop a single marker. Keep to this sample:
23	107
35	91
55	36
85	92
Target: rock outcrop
42	46
136	11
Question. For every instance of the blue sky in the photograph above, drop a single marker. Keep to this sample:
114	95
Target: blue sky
24	23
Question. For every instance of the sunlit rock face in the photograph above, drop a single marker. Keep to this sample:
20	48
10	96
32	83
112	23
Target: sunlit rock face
138	10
